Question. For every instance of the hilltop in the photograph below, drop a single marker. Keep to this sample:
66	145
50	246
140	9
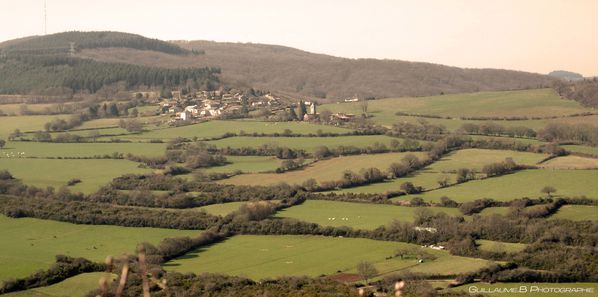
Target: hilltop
296	72
285	70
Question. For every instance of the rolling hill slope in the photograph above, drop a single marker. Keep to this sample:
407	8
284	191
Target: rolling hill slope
297	72
283	69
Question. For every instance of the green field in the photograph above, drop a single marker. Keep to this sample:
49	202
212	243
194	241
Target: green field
93	173
590	150
215	128
34	243
53	150
541	103
528	289
497	246
221	209
23	123
16	108
76	286
258	256
308	144
356	215
571	162
577	213
325	170
526	183
477	158
446	168
454	124
500	210
247	164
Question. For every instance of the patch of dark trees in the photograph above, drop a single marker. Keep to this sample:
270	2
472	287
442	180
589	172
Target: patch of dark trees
583	91
578	133
28	73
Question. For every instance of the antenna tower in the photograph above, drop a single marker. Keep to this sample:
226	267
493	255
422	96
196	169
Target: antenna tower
45	19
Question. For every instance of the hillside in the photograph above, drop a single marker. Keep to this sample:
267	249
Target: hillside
295	72
48	64
276	68
60	43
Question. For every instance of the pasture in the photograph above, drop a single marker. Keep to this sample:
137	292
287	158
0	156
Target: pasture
571	162
325	170
76	286
530	103
308	144
79	150
247	164
259	256
211	129
576	213
24	123
499	210
93	173
583	149
356	215
526	183
477	158
34	243
221	209
446	167
498	246
17	108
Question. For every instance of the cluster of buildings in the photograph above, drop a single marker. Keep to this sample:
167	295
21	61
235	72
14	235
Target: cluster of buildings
212	104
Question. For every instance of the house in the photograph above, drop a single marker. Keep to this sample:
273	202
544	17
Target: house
354	99
343	116
185	115
312	109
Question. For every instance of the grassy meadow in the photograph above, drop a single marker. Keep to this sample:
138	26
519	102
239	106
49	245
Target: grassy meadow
79	150
571	162
584	149
498	246
213	129
93	173
258	257
526	183
247	164
308	144
24	123
325	170
34	243
540	103
355	215
577	213
76	286
221	209
446	167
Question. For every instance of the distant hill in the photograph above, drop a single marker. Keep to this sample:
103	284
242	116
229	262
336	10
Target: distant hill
567	75
44	64
284	70
60	43
298	72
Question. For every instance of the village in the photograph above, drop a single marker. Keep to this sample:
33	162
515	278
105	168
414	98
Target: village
229	104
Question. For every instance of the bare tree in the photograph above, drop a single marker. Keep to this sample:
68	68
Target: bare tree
364	106
366	270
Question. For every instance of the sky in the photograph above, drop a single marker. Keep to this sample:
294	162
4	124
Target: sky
528	35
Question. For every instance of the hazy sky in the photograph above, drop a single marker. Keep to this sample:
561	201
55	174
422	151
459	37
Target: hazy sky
530	35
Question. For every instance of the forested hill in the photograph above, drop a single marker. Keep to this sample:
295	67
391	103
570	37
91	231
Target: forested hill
284	70
45	65
60	43
293	71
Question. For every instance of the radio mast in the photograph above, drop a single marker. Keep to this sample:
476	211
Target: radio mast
45	20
